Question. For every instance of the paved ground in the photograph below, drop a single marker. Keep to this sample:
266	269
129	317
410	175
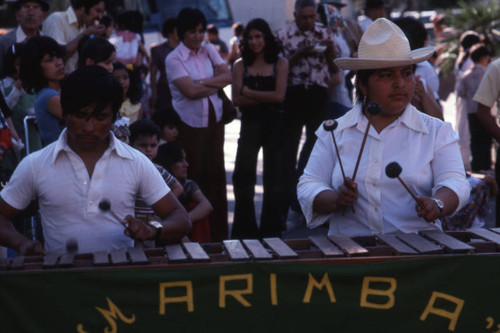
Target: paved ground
295	226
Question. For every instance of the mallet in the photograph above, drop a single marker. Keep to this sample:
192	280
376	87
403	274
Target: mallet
330	125
371	109
393	170
105	207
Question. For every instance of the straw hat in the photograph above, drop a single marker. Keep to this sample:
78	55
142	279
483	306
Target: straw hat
384	45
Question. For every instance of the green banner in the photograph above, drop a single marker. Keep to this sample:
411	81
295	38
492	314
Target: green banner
438	294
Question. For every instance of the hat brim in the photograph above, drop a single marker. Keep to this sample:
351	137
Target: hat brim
416	56
43	4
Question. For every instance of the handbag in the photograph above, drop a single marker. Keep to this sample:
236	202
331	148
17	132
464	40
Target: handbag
229	112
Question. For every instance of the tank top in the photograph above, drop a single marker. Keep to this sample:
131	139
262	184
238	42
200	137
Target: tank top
261	83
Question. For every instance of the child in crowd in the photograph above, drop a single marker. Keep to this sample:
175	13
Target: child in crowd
98	51
173	157
131	107
109	26
16	99
129	46
144	136
168	120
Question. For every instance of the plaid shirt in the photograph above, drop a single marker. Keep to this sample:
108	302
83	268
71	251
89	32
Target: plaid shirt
312	69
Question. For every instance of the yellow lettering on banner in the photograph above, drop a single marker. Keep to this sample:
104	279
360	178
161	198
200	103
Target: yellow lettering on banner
236	293
313	283
112	314
188	299
389	292
79	329
452	316
274	293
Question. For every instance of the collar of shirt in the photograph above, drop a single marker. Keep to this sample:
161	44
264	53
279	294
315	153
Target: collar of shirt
71	15
185	52
410	117
114	144
293	30
21	36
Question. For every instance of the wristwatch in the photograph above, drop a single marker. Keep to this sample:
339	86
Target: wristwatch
440	205
158	226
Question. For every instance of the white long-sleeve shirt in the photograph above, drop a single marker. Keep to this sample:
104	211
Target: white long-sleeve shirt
425	147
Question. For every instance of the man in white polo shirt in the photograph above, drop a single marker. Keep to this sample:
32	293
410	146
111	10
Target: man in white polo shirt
84	167
68	27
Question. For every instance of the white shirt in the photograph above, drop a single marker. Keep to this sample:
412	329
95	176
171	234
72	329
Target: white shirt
182	62
340	93
488	91
69	198
63	28
425	147
364	22
428	73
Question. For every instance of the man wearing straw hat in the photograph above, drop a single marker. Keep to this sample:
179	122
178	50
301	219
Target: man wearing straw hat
424	148
30	15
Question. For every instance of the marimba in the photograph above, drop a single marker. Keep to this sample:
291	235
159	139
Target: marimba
426	282
320	249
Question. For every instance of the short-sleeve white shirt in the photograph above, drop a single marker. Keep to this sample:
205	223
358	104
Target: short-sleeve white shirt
68	198
425	147
488	91
63	28
182	62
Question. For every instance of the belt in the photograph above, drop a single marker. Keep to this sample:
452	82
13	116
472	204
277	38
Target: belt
307	86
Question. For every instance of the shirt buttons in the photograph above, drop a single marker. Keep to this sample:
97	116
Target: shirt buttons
84	182
91	202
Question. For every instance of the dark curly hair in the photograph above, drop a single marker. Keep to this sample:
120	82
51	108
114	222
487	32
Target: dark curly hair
168	154
30	69
134	92
272	48
143	127
188	19
97	49
91	85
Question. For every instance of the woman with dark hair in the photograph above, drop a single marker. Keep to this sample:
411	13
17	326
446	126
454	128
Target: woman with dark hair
42	70
373	201
259	86
196	73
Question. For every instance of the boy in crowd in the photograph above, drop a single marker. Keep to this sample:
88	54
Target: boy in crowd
144	136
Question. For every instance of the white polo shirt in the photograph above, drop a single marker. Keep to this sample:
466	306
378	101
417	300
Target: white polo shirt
63	28
69	198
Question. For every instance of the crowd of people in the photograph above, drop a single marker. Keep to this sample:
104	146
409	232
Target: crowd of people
151	152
